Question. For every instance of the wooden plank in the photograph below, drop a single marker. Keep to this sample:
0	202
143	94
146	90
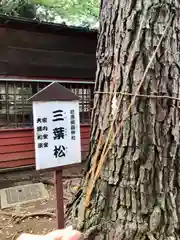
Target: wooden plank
85	127
85	135
85	151
23	38
24	70
16	148
29	147
6	159
85	130
84	141
26	162
18	163
47	58
15	134
85	148
17	156
12	141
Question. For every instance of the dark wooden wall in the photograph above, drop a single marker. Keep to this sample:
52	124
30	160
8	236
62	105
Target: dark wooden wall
41	50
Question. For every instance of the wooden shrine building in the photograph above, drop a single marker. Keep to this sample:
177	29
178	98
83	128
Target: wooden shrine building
32	55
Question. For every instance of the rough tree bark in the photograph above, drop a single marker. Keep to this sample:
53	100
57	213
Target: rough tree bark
137	195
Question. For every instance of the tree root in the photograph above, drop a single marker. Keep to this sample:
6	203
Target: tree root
47	182
18	217
6	214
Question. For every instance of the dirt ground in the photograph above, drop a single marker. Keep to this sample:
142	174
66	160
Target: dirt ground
11	225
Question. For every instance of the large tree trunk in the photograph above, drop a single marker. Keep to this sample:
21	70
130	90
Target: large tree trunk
137	194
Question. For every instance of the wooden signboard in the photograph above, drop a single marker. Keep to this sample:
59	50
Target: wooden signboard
56	134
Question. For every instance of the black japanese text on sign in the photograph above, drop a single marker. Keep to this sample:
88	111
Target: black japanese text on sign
59	133
42	132
73	126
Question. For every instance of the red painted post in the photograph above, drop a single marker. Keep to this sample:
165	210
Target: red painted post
59	199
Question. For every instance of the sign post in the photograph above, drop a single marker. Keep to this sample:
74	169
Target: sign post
59	199
56	135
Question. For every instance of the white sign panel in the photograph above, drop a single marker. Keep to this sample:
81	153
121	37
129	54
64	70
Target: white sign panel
56	133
